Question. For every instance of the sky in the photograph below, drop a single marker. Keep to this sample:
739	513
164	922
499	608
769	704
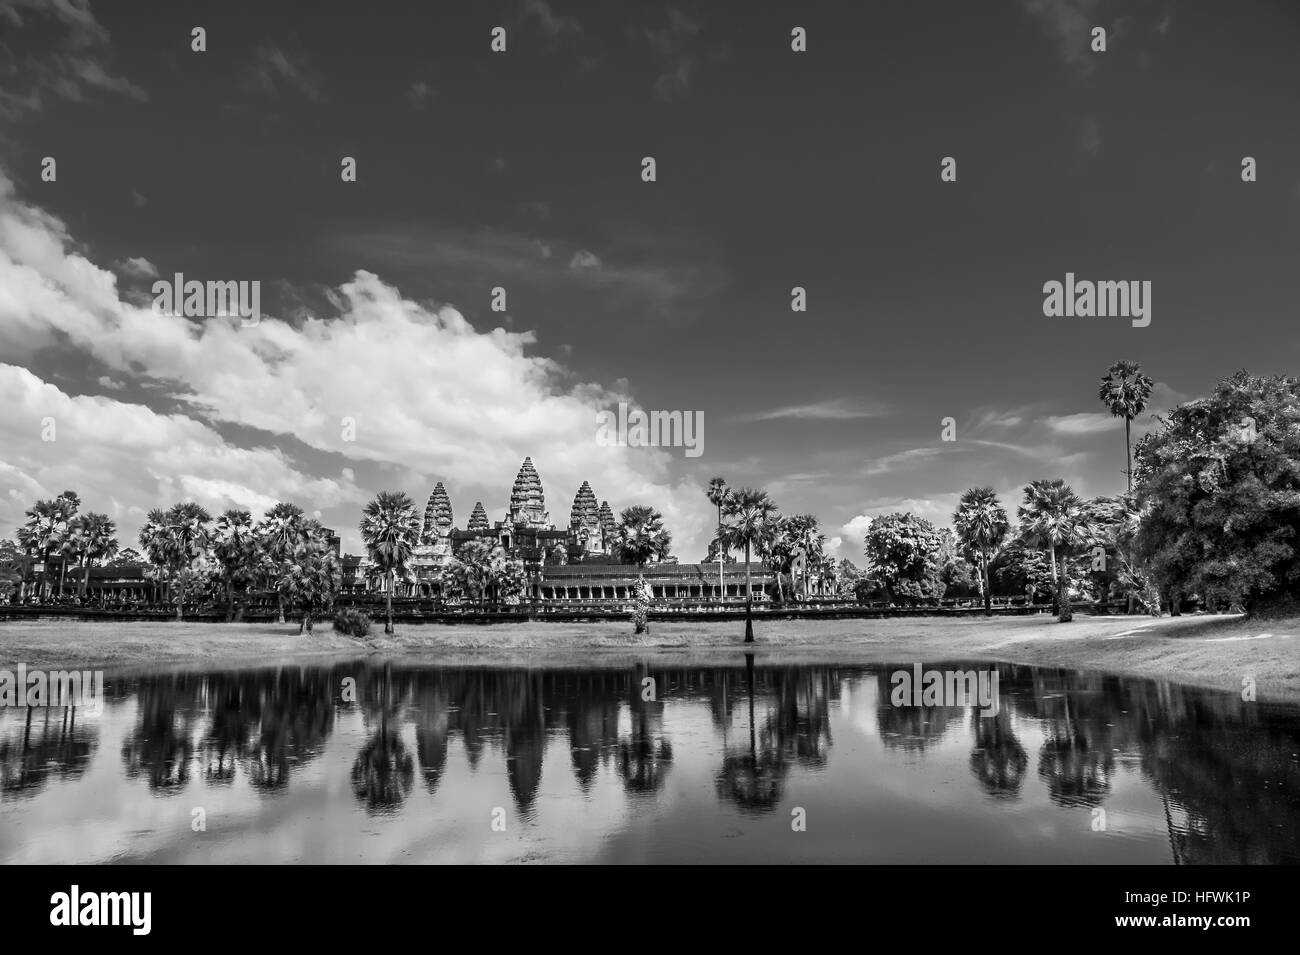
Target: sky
522	170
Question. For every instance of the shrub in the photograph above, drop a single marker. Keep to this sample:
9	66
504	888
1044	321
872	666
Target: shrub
353	623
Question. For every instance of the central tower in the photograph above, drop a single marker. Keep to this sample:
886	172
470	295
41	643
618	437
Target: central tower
527	502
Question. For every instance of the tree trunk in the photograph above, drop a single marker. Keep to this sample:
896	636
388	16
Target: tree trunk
388	625
85	574
988	594
63	571
749	600
1128	453
722	587
230	598
1063	596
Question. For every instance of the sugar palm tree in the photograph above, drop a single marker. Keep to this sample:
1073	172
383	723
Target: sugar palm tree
153	541
45	533
775	547
235	548
718	493
1125	391
97	540
278	533
805	534
69	502
1054	516
747	513
311	576
981	525
188	532
390	529
641	536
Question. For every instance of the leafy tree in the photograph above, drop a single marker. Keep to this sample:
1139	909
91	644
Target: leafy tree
748	514
97	534
1125	391
278	532
312	576
1053	516
235	548
1021	569
903	555
1218	490
187	534
641	536
981	526
718	493
390	529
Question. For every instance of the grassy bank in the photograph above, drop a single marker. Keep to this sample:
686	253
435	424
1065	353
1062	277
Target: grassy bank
1205	651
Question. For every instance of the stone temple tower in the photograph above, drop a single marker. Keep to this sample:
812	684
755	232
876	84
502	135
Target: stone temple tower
584	521
608	526
478	520
437	516
527	502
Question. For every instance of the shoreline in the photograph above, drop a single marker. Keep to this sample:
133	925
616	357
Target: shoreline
1208	651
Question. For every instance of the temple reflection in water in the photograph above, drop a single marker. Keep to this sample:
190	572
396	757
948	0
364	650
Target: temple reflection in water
1216	780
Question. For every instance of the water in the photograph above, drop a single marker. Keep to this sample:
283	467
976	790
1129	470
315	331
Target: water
570	764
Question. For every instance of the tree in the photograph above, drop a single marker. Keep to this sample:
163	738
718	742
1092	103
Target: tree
390	529
903	553
641	536
96	541
981	526
775	547
1125	391
312	576
718	493
803	533
187	534
748	513
153	539
69	503
235	548
44	533
278	533
1218	492
1054	516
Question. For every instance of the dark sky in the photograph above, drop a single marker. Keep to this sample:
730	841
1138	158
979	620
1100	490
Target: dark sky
775	169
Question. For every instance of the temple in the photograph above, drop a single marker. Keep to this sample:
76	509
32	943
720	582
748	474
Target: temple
579	562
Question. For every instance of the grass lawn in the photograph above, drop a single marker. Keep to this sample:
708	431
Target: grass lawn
1205	651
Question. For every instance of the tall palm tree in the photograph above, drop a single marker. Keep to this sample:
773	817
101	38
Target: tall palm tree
718	493
1126	391
1053	515
188	531
45	533
311	577
805	534
390	529
153	541
97	540
235	548
981	525
278	533
748	514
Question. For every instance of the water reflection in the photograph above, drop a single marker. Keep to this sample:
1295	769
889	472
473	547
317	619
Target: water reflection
634	753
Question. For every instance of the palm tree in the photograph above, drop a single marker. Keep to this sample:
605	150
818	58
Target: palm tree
1053	515
235	548
718	493
45	532
981	525
153	540
311	577
97	540
1126	391
776	548
748	513
641	536
278	533
390	529
805	534
188	534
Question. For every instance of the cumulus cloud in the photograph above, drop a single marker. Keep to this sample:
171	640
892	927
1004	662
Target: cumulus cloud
429	395
138	268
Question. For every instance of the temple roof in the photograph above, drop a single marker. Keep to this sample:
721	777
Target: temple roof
478	520
527	502
437	515
585	511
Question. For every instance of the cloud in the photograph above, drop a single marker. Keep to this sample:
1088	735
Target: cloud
672	45
418	94
1087	422
127	458
583	261
1070	23
138	268
550	23
70	66
274	69
431	398
901	459
837	409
